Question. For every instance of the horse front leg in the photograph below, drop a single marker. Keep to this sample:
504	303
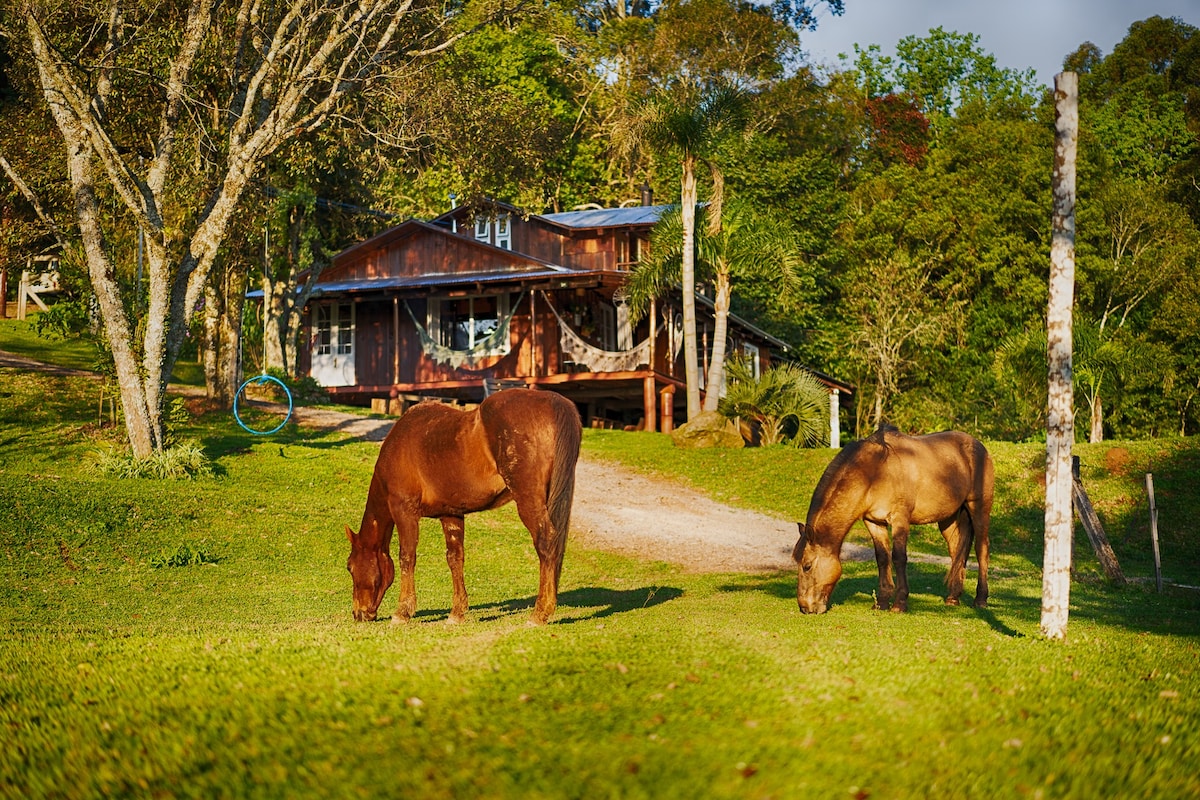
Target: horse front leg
900	563
883	560
407	532
454	529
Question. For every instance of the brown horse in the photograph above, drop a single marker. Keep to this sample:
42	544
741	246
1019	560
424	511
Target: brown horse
443	463
897	480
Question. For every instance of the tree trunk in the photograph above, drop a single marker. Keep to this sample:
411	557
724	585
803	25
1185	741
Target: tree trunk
1097	430
222	333
691	368
1060	423
716	367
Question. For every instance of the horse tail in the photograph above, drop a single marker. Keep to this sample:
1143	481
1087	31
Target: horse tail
561	496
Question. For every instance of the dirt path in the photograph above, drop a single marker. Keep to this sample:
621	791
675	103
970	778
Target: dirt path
619	510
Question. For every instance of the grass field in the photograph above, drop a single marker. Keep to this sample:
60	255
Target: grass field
194	639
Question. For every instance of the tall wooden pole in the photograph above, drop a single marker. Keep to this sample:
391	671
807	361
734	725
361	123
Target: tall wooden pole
1060	421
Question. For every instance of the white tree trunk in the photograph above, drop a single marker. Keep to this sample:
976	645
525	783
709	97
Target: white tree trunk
716	367
286	78
1060	422
691	366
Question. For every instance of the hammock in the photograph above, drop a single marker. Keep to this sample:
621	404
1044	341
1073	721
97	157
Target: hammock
495	343
576	349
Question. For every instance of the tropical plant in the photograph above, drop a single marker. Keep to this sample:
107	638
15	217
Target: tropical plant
786	402
744	246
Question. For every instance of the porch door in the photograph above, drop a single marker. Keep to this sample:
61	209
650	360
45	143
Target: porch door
333	355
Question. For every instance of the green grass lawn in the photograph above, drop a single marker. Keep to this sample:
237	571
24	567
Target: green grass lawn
240	673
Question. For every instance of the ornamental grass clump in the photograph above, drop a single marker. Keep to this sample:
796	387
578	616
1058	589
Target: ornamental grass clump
184	460
786	403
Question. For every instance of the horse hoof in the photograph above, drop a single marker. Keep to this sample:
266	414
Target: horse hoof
398	619
951	601
980	603
899	608
455	619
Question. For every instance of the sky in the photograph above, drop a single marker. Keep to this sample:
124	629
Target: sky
1021	34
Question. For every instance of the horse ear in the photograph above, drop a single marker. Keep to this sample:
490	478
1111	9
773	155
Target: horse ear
349	534
798	550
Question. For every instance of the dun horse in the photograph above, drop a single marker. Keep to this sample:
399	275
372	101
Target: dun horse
889	479
443	463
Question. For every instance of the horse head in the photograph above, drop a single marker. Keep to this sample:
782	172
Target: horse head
371	567
819	570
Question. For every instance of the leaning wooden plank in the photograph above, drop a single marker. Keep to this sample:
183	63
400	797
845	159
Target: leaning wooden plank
1095	532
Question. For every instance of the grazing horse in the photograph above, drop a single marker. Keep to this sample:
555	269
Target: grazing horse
889	479
443	463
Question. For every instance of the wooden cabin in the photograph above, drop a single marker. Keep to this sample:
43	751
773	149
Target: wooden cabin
474	301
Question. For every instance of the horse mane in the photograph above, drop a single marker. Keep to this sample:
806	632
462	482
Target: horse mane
849	453
880	434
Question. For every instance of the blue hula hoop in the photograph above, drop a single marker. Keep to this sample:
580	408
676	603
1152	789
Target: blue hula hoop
262	379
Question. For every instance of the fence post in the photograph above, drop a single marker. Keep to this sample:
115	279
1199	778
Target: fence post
1154	531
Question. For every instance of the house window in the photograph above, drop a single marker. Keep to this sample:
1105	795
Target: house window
503	232
501	227
461	323
606	326
750	353
335	329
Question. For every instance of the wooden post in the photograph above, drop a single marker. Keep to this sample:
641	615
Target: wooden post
3	294
1060	422
667	409
22	289
1154	531
1093	528
649	403
395	340
533	333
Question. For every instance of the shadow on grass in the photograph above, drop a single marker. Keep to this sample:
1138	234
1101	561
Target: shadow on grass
852	589
606	603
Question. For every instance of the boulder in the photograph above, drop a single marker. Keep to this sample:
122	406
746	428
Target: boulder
708	429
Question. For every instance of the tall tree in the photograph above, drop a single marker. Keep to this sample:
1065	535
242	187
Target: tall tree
225	88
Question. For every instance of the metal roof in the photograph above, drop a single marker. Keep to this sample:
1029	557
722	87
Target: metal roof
441	279
607	217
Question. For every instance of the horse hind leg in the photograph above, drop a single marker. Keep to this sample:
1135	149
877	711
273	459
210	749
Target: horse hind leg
980	518
550	545
454	530
954	530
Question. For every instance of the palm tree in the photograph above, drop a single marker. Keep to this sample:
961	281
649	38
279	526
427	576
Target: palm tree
784	398
744	245
692	128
